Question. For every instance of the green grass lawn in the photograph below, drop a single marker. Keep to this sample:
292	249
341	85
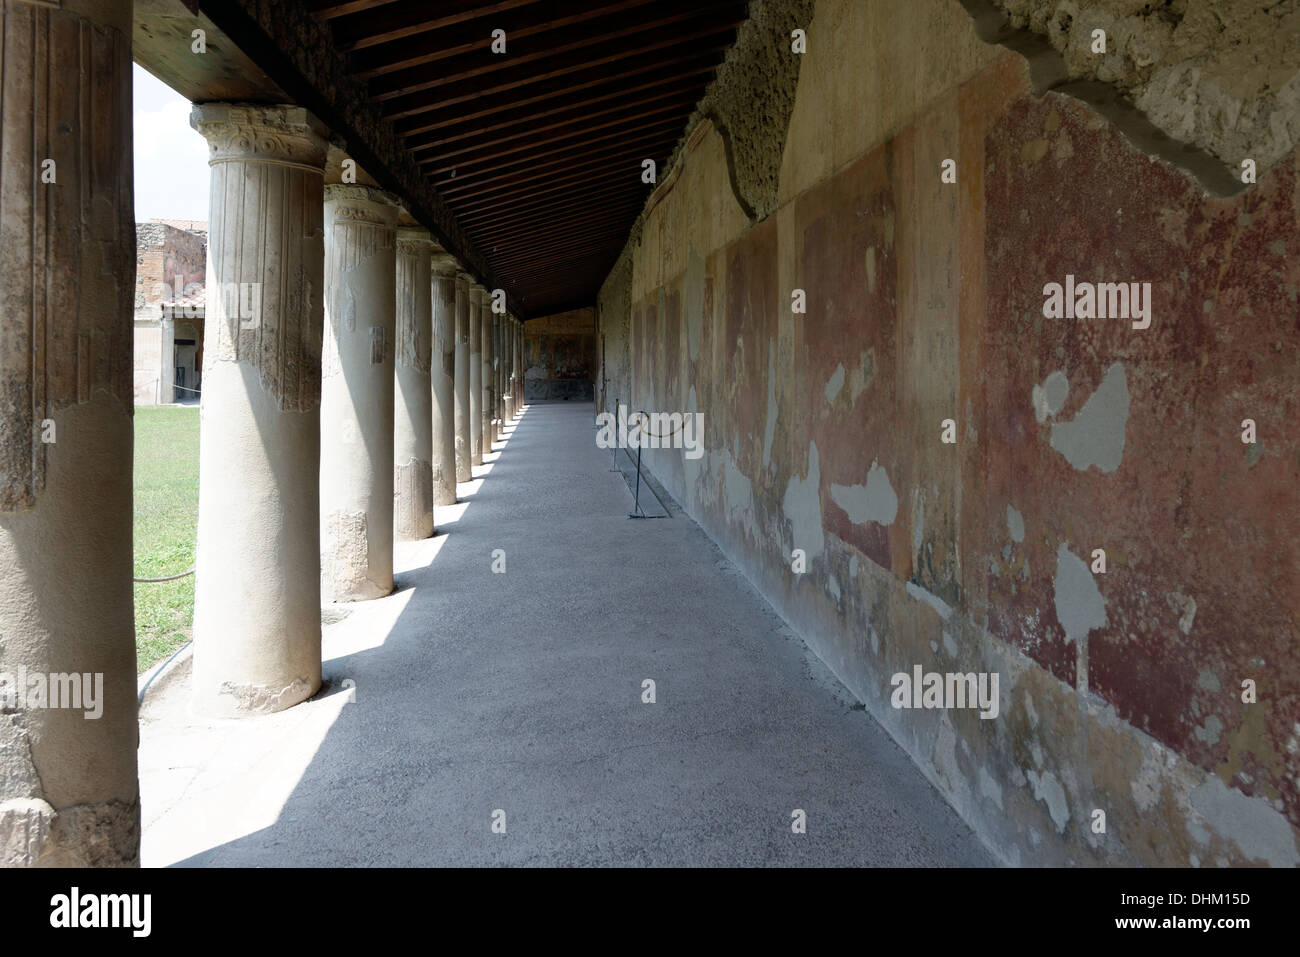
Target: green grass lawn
166	516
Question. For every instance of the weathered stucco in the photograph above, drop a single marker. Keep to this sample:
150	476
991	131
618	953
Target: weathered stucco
1220	75
824	431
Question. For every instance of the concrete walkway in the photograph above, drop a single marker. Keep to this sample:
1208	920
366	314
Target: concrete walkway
467	693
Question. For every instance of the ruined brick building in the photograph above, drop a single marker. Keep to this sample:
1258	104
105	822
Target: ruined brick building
171	257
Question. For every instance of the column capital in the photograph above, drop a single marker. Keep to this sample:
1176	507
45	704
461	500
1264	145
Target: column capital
363	204
444	263
414	241
477	293
254	132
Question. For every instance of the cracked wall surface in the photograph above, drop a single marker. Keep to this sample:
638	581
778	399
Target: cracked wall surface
1222	76
823	431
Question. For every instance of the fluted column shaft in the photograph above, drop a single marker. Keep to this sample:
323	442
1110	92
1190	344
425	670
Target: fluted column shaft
256	594
485	382
356	474
442	373
413	389
476	374
464	433
68	785
508	370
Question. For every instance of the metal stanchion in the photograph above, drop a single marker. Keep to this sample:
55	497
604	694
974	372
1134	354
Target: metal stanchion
636	501
613	462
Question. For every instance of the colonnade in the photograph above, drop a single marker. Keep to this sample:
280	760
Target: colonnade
356	378
378	354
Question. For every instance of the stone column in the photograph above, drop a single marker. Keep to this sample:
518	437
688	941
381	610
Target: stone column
476	373
464	434
494	323
519	366
256	595
68	786
501	354
485	406
520	362
413	389
356	473
508	371
443	376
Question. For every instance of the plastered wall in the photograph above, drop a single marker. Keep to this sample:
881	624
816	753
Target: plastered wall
1120	691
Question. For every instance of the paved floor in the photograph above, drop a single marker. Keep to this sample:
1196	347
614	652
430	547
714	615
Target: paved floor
468	693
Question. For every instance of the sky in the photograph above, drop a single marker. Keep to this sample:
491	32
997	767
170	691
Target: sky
171	160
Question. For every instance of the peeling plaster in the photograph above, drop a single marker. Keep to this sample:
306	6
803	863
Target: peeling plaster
873	502
835	383
990	788
1260	831
1048	790
931	599
769	431
1049	398
1079	605
802	506
1096	434
1015	524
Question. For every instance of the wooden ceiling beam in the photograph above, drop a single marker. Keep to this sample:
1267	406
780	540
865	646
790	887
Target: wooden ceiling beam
662	141
482	80
367	28
681	101
571	144
564	90
467	37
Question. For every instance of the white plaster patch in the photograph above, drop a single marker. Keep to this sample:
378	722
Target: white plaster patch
1015	524
833	586
990	788
853	566
835	383
1048	790
1079	605
1210	731
1049	398
739	490
769	431
931	599
1261	832
918	520
873	502
862	374
802	506
1095	436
